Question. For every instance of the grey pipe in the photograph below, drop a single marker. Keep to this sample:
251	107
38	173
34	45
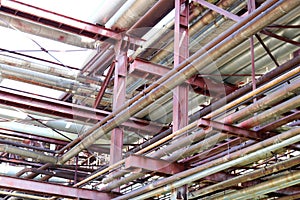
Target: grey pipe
26	153
45	79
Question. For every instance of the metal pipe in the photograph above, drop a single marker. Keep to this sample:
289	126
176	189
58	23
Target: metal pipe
192	65
250	154
133	13
46	80
247	177
43	31
27	196
2	141
284	181
26	153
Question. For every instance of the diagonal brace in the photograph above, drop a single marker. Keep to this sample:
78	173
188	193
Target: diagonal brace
219	10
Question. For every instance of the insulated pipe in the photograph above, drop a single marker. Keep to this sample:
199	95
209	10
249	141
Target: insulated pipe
26	196
286	164
43	31
24	64
284	181
244	156
50	81
191	66
26	153
273	98
136	11
108	9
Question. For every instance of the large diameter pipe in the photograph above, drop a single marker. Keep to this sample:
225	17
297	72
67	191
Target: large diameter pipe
286	164
197	62
258	151
26	153
43	31
50	81
284	181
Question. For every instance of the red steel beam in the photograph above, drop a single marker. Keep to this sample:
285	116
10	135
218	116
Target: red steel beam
143	164
64	23
43	188
70	111
219	10
234	130
104	85
148	70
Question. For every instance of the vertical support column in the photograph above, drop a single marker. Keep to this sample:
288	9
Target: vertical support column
251	8
180	93
119	93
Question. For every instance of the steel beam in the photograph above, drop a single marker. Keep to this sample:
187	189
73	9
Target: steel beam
151	71
181	92
219	10
234	130
51	189
143	164
119	98
64	23
104	85
70	111
271	34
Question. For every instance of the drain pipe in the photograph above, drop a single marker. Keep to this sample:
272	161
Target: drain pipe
284	181
191	66
245	156
247	177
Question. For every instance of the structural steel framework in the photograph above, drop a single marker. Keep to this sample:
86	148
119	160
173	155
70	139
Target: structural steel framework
177	100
